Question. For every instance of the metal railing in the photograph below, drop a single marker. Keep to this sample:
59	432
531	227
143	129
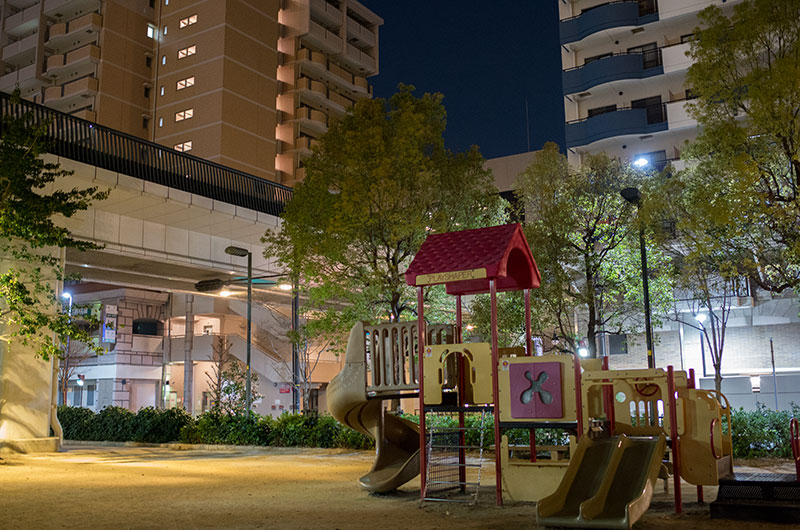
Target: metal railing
650	59
656	113
106	148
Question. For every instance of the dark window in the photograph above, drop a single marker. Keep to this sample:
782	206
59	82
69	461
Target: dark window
654	108
145	123
152	3
690	94
145	326
689	37
651	55
596	57
148	61
147	92
76	396
617	344
90	395
647	7
655	159
602	110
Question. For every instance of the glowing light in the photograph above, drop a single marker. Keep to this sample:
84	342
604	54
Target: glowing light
470	327
755	383
80	382
583	352
285	286
66	295
640	162
225	293
701	317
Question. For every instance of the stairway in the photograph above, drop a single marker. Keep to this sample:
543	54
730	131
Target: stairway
445	472
758	496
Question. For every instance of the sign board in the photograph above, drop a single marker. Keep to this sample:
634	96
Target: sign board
110	324
452	276
285	390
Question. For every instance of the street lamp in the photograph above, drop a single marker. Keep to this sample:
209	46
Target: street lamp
218	284
242	252
633	196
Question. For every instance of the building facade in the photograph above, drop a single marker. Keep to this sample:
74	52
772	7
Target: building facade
243	83
623	80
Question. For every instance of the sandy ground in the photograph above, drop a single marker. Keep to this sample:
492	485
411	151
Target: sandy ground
142	487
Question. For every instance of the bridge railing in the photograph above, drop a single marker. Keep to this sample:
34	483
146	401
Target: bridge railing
103	147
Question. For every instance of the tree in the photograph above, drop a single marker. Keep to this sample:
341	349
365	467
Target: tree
379	182
227	380
73	355
584	239
745	76
28	235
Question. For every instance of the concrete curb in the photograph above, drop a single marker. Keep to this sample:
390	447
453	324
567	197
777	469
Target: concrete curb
210	447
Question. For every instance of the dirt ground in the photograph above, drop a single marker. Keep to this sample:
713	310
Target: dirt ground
144	487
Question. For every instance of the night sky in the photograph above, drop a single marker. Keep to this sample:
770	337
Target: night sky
486	58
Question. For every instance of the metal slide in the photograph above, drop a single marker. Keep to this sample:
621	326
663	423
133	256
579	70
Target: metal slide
396	439
608	484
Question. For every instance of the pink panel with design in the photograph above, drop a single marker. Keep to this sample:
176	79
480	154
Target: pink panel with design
535	390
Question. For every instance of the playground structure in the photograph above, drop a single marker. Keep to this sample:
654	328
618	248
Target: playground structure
627	428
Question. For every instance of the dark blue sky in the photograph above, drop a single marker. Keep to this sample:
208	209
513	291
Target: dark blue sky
486	58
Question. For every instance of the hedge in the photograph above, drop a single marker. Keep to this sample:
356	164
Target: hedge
152	425
758	433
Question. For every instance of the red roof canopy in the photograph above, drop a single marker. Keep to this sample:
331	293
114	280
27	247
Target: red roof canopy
465	261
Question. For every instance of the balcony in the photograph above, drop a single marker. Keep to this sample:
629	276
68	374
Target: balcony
358	60
25	77
312	119
67	9
678	116
75	33
621	122
76	63
312	90
613	68
606	16
319	37
22	52
327	13
360	34
23	22
304	145
675	58
72	95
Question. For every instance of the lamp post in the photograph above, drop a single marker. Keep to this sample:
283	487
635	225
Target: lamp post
633	196
242	252
68	296
218	284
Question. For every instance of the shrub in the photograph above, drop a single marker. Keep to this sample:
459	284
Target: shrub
159	426
219	428
75	422
762	432
113	424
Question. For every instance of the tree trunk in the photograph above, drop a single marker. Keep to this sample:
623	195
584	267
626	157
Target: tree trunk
717	379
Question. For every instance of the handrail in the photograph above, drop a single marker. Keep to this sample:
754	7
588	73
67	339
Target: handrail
794	432
617	54
103	147
713	445
663	106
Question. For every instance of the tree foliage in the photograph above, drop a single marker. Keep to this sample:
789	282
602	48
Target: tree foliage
227	381
584	238
746	76
30	239
379	182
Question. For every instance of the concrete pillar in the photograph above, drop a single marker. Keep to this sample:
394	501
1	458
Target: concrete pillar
188	369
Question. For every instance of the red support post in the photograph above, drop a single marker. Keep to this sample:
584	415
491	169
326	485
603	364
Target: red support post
673	430
496	414
578	396
420	353
528	342
691	384
462	456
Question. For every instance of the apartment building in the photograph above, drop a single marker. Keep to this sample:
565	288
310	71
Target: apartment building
243	83
624	65
624	68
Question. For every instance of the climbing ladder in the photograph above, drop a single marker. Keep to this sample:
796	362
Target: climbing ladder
448	467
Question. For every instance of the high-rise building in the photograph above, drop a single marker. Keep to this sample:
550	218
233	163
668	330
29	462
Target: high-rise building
624	66
246	84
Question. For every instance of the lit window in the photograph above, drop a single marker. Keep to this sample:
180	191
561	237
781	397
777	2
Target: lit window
184	114
185	83
163	59
166	2
183	147
162	90
186	52
151	31
188	21
165	30
161	122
